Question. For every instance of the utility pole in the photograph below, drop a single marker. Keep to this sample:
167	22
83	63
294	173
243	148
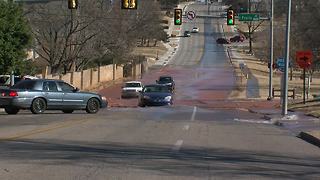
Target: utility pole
271	52
250	28
286	68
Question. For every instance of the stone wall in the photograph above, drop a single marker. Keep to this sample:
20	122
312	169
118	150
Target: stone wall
92	77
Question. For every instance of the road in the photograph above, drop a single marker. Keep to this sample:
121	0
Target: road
203	135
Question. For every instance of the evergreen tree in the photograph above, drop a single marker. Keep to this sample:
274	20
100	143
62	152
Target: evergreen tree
15	37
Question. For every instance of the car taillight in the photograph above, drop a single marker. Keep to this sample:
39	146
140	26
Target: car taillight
13	94
3	94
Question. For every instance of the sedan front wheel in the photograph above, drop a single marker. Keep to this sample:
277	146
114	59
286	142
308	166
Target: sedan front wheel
93	106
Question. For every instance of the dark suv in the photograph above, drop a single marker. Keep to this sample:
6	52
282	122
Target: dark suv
186	34
166	80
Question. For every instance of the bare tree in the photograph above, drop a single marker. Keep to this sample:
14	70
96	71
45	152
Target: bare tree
97	33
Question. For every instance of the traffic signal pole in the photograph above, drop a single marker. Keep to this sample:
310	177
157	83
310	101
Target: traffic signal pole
271	53
286	68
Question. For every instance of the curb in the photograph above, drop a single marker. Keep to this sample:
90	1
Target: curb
309	138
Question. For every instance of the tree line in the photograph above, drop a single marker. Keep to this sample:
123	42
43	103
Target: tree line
97	33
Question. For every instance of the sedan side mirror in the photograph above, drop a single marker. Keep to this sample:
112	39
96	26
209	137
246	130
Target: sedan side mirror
76	90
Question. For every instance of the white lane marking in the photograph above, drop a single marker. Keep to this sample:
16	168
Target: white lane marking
177	145
186	127
253	121
194	113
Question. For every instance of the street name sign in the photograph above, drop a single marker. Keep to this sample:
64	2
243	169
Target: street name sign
248	17
280	64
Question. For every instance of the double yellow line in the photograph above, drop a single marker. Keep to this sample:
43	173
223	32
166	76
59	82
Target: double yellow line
45	129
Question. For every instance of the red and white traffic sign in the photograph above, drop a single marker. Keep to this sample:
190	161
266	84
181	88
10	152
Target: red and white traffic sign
191	15
304	59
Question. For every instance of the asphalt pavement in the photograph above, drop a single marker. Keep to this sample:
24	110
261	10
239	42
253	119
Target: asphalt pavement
151	143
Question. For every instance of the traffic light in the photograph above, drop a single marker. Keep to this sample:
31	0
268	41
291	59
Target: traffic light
72	4
230	17
129	4
177	16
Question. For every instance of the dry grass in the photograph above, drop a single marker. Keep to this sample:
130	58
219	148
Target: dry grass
151	51
315	134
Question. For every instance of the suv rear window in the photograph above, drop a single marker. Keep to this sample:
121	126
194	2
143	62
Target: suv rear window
25	84
165	79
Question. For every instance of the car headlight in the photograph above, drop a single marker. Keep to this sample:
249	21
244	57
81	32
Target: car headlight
168	98
104	98
146	97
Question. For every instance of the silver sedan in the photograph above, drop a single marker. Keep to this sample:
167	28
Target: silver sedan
39	95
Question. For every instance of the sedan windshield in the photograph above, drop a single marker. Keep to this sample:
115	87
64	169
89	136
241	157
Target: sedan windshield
156	89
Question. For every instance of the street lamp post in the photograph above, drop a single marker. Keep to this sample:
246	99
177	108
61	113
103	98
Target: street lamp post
285	75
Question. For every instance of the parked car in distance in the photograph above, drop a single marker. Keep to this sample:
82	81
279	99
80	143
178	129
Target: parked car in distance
222	41
131	89
186	34
195	30
237	38
167	81
155	95
5	79
40	95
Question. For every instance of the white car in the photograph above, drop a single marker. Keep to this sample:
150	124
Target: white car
131	89
195	29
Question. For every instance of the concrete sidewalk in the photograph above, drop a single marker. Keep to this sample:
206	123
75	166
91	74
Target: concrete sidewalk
301	125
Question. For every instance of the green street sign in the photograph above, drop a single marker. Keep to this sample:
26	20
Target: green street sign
249	17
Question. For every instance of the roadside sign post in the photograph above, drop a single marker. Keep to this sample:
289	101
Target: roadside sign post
304	60
304	85
308	87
